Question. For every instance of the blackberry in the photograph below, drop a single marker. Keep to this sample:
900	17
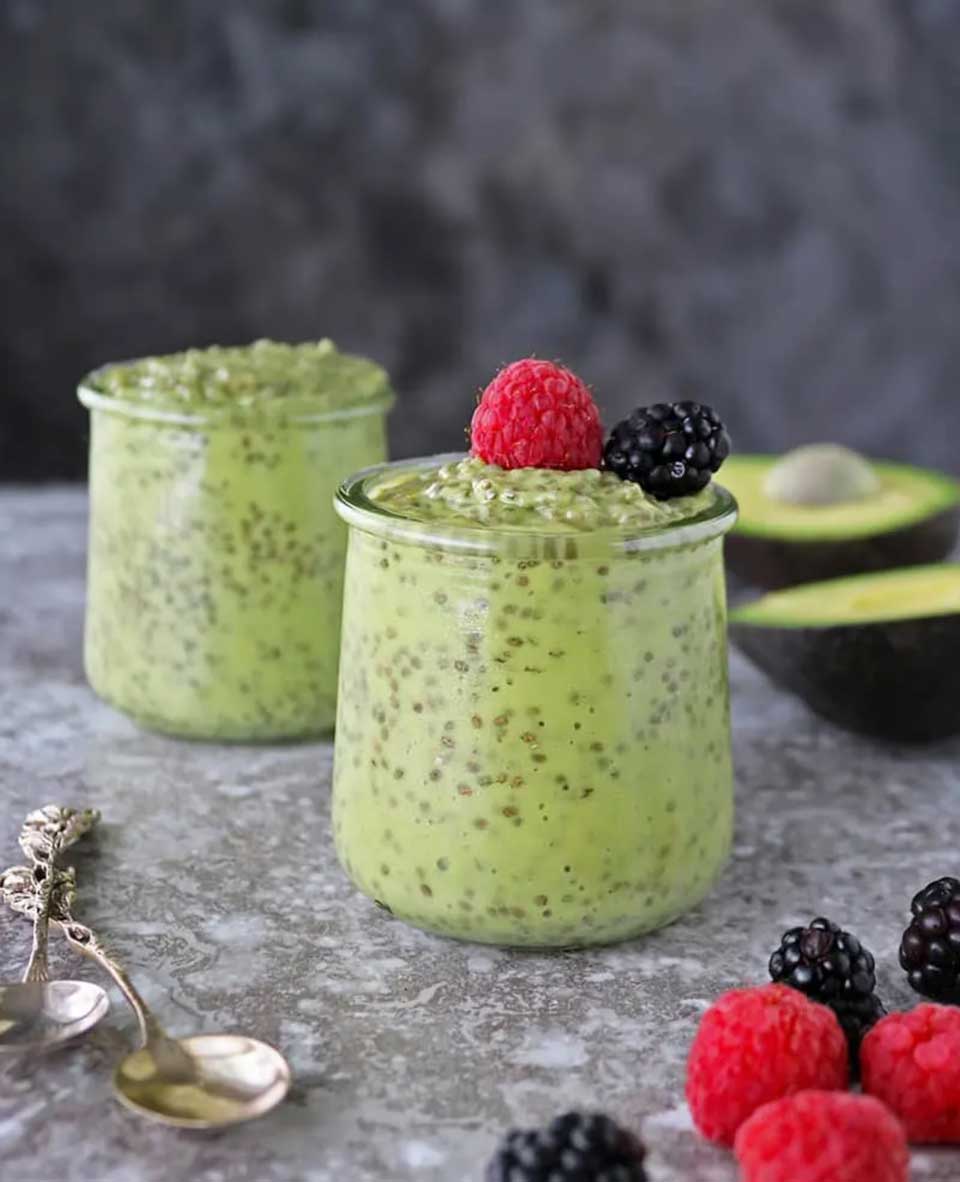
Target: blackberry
832	967
669	449
575	1147
930	948
856	1018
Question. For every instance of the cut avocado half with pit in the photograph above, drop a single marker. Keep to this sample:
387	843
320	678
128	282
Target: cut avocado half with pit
875	653
815	514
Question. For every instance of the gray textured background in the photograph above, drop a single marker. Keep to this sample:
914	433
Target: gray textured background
761	198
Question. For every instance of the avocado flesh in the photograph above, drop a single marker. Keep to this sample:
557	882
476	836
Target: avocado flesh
912	593
911	519
905	495
875	653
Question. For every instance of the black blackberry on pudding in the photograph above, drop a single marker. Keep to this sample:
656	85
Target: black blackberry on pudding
671	449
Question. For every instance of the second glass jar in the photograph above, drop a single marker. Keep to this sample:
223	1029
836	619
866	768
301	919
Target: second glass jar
215	568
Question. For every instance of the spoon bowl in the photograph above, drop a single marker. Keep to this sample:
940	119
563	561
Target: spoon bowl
37	1015
203	1082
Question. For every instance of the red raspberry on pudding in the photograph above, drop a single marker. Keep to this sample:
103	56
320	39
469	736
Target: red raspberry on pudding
537	414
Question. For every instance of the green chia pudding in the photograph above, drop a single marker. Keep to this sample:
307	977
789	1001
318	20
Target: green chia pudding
533	740
216	558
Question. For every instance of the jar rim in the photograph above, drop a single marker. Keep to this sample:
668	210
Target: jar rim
286	410
355	506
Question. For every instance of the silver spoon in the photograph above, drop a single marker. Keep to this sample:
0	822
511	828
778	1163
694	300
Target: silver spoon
37	1013
204	1082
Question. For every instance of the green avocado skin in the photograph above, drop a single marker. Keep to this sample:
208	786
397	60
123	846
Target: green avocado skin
896	679
773	563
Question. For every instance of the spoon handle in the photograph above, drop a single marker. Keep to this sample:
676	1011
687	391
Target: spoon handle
20	892
83	940
45	833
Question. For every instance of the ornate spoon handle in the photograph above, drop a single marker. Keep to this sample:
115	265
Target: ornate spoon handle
176	1063
45	834
52	896
19	891
84	940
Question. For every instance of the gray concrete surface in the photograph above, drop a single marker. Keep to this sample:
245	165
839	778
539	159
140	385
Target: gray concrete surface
213	877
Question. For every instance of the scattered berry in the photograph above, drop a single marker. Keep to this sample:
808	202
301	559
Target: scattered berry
535	414
930	948
575	1147
856	1018
822	1137
831	966
911	1062
669	449
756	1045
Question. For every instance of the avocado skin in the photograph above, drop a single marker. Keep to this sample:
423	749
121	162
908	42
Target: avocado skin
895	679
773	563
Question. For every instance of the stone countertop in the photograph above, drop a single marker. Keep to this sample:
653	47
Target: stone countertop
213	877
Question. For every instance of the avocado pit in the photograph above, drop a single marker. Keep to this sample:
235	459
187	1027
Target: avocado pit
821	474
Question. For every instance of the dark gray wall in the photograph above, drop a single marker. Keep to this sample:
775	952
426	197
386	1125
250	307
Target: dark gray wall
760	197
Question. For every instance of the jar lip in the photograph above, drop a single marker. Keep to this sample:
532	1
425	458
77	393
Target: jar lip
355	506
287	410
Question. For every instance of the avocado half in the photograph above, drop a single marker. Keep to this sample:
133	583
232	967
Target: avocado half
911	518
875	653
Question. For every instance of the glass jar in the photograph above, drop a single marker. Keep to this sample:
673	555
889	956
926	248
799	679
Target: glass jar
533	737
215	567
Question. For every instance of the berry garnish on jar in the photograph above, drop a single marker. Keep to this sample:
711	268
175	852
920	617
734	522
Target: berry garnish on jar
671	449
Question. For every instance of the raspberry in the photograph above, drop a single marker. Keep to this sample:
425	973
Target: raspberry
756	1045
822	1137
911	1062
535	414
